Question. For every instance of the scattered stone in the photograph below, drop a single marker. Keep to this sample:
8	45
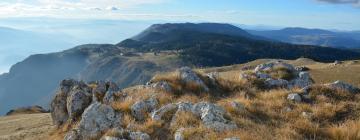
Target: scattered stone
276	83
159	114
111	138
343	86
139	136
98	118
302	68
212	116
140	108
262	75
244	76
189	76
213	76
72	135
237	106
294	97
179	134
306	114
163	85
234	138
337	63
272	65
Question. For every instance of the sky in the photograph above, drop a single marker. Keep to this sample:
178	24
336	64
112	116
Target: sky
327	14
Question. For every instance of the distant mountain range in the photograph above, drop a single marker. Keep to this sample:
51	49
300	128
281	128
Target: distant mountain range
318	37
161	47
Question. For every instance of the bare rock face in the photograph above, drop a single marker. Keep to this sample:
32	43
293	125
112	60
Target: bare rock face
140	108
189	76
96	119
213	116
60	107
343	86
77	101
123	134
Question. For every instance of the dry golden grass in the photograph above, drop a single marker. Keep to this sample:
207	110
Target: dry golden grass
267	114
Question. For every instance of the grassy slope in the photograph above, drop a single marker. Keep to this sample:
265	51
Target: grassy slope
320	72
264	116
25	127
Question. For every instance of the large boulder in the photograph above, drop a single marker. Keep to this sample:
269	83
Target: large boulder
189	76
76	103
343	86
302	80
98	118
213	116
59	106
140	108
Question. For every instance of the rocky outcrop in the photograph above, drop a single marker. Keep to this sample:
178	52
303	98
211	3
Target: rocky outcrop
62	104
162	85
96	119
187	75
271	65
212	116
276	83
343	86
73	97
76	103
159	114
300	78
140	108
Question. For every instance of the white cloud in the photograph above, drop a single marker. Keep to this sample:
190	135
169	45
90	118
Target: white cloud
68	7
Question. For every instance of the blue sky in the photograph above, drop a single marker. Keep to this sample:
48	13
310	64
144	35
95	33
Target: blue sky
329	14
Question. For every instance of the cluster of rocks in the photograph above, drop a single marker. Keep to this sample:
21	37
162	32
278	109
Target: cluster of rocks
90	105
301	80
186	75
301	77
76	100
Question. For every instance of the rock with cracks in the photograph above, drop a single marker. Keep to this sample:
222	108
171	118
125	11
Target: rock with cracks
96	119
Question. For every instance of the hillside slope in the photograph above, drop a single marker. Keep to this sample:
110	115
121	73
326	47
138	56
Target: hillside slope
161	48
